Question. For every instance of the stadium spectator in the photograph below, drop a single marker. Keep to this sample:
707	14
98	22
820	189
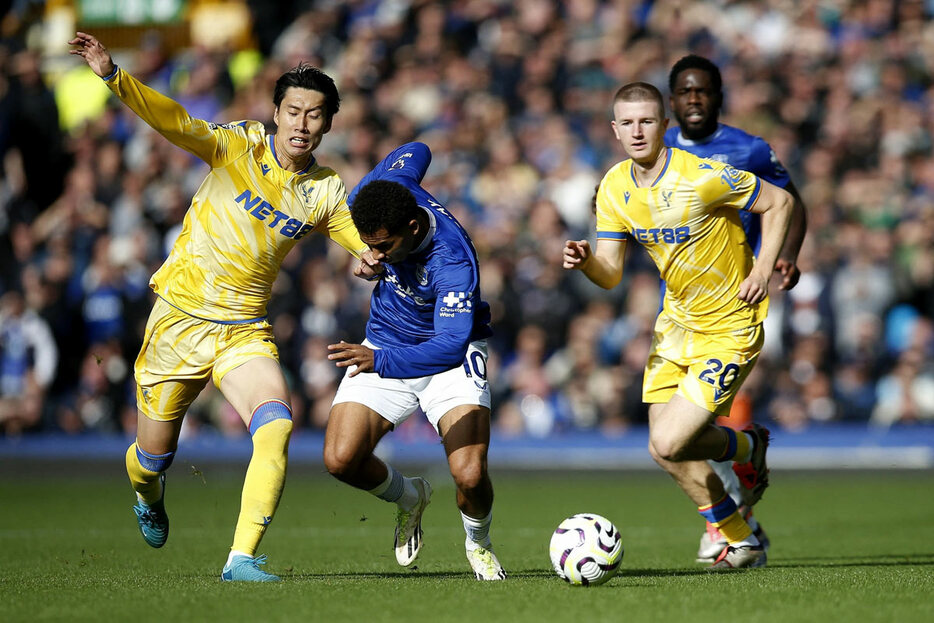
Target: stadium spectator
28	361
845	102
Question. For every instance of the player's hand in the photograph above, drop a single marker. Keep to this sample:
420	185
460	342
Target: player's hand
576	254
790	273
94	53
344	354
369	267
754	288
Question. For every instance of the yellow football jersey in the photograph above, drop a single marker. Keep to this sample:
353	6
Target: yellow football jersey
247	215
689	223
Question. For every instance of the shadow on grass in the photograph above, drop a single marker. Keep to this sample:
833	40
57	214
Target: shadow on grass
459	575
382	575
885	560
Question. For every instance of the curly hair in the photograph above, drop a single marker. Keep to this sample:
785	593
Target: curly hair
382	204
693	61
307	77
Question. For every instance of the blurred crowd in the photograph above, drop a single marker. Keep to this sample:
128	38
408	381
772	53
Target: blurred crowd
513	98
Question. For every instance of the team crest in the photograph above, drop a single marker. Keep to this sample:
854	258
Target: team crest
400	161
306	189
666	197
421	275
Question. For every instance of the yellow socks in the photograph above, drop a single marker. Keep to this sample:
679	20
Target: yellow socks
271	426
726	517
738	446
144	469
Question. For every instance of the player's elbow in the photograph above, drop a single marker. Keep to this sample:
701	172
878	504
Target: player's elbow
609	280
787	201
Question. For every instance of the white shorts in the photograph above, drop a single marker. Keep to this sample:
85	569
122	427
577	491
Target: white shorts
396	399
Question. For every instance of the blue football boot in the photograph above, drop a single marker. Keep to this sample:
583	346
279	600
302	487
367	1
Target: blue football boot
243	568
153	521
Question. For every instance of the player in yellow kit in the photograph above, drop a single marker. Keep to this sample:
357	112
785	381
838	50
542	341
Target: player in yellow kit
262	195
685	211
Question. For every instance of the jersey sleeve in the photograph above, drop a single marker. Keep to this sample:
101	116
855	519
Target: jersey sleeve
764	163
215	144
729	186
610	224
407	163
339	226
455	306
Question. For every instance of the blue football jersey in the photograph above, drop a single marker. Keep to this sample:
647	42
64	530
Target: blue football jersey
743	151
426	309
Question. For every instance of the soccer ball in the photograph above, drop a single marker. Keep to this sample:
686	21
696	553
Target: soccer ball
586	550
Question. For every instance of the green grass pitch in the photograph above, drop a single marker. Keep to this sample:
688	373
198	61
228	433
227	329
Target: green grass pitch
846	546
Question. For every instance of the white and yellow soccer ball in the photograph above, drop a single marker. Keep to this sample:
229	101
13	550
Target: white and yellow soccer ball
586	550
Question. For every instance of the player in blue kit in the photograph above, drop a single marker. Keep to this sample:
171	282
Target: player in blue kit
425	347
696	99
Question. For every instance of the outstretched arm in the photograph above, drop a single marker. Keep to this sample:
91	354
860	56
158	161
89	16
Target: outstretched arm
165	115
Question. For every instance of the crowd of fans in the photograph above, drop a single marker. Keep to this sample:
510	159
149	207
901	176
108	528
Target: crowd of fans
513	99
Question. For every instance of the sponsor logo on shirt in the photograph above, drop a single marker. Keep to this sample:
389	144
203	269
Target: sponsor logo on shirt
731	177
455	303
262	210
668	235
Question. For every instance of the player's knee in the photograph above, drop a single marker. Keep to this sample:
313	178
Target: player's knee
665	449
272	417
148	461
341	460
469	473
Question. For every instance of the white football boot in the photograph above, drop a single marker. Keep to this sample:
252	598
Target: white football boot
408	536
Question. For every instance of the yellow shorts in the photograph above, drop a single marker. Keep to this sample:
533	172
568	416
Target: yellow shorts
180	352
705	368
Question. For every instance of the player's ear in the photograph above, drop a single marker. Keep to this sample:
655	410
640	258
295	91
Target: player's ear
275	116
327	125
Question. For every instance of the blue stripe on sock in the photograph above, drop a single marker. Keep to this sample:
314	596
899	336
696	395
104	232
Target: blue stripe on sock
730	446
720	511
267	412
154	462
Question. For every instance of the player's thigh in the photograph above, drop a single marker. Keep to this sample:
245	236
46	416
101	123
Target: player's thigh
247	370
352	433
253	383
460	391
173	366
719	364
465	426
394	400
664	367
675	424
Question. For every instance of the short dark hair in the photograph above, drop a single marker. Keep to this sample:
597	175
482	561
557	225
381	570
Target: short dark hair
307	77
640	92
382	204
693	61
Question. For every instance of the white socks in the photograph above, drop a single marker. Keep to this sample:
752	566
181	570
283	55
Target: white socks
478	531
